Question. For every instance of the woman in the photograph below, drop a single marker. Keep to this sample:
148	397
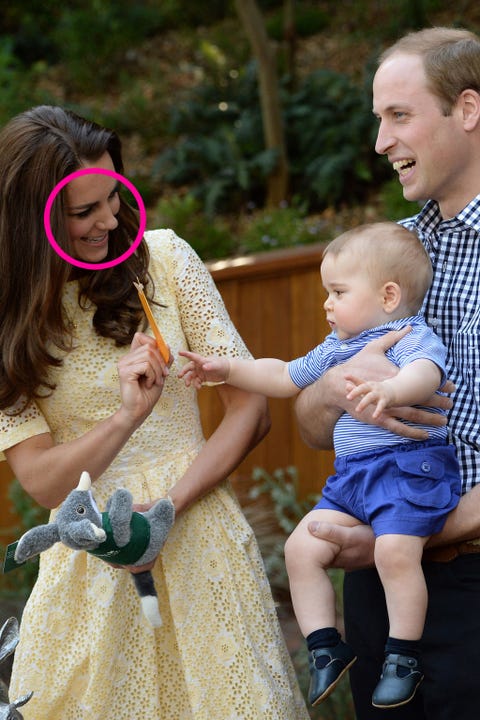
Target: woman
83	388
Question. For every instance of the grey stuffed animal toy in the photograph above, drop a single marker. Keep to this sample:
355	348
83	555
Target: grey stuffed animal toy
119	536
8	642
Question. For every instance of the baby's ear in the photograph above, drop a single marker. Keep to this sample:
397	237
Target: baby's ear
392	296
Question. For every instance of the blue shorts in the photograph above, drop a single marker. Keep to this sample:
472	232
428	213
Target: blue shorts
406	489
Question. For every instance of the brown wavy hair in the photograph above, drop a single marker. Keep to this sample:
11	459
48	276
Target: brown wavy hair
39	148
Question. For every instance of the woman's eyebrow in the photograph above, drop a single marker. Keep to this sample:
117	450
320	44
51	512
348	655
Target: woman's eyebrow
86	205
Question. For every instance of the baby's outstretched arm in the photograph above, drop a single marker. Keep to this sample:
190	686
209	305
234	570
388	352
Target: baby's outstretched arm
413	385
267	376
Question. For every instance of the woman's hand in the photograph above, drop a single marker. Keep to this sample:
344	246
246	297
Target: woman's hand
142	372
135	569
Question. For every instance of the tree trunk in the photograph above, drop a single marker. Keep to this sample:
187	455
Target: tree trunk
290	40
251	18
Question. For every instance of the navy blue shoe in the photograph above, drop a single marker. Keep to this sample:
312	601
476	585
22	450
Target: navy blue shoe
393	689
327	667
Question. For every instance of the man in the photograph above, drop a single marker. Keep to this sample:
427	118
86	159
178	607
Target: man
426	96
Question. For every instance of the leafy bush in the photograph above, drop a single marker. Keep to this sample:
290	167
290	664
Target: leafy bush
118	27
330	127
210	238
393	204
19	582
19	89
285	226
219	154
280	491
308	20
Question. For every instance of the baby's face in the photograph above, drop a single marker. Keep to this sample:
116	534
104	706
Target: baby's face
353	304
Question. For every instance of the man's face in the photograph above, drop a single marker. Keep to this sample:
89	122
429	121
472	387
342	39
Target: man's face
428	149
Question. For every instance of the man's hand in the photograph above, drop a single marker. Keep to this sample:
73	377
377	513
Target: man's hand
356	543
319	406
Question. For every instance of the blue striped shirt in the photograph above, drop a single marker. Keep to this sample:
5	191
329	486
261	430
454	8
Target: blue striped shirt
452	308
351	435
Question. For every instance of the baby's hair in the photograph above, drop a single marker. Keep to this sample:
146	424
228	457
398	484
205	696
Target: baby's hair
388	251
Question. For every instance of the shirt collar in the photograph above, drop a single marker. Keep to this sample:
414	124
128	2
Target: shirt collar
429	217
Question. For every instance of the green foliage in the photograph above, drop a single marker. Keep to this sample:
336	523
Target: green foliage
19	582
19	89
261	230
281	490
285	226
218	152
210	238
282	487
393	204
308	20
330	127
118	27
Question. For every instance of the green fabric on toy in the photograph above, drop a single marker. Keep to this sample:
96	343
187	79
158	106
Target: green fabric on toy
119	536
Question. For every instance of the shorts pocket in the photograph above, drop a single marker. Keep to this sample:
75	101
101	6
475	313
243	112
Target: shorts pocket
421	479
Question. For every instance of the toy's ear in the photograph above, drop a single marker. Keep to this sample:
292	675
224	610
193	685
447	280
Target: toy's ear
35	541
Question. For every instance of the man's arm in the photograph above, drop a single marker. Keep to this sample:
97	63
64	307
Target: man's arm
319	406
357	543
463	523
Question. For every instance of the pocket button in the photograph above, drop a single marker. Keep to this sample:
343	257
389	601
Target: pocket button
426	467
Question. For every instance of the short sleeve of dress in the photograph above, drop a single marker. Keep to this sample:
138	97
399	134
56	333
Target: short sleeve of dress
17	427
205	321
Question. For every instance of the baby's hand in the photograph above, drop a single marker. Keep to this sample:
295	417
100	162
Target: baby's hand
379	394
202	369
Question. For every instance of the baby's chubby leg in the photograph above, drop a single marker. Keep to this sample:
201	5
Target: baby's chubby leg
307	559
399	563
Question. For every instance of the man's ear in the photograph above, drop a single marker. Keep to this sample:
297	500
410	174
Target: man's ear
392	296
469	104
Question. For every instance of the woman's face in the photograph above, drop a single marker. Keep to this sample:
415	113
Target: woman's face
92	206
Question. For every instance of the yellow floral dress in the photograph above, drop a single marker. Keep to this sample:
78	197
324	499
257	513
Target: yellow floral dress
85	649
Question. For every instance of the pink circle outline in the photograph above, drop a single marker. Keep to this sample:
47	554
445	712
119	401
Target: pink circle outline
80	263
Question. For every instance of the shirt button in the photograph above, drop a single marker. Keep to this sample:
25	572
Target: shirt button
425	467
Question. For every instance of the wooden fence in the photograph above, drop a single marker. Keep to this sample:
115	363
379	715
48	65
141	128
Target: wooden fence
276	301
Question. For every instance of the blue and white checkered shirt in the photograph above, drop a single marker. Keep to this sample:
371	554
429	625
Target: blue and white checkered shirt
452	309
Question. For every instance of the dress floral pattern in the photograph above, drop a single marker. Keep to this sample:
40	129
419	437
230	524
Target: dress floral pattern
85	649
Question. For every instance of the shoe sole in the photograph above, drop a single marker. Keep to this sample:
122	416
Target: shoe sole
332	687
404	702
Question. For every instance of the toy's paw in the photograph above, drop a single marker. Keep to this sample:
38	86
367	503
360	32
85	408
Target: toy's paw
162	517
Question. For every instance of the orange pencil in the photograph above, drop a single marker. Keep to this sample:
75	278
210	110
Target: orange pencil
161	344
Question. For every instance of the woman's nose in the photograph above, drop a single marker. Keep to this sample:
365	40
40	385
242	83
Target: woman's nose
107	221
